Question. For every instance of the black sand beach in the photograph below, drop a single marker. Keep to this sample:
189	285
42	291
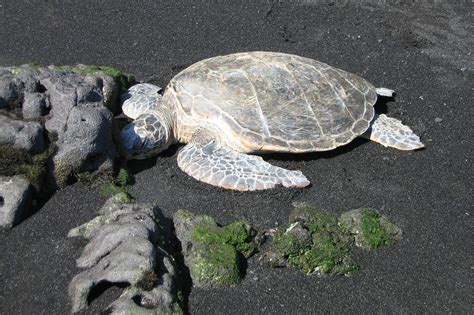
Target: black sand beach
421	49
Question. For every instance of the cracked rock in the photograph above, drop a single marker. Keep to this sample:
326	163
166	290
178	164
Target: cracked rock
82	123
123	248
86	145
74	105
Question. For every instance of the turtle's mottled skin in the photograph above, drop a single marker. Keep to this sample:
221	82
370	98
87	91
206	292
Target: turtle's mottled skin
256	102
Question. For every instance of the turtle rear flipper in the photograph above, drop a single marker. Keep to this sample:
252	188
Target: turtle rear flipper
226	168
385	92
390	132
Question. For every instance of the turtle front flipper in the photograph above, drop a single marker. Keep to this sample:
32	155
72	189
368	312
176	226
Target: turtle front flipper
390	132
221	166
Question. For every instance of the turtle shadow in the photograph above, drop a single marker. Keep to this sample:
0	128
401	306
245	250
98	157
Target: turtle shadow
296	157
381	106
140	165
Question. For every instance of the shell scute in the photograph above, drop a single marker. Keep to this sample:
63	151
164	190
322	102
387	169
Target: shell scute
275	101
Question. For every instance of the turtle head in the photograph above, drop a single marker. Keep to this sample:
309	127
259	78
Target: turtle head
147	135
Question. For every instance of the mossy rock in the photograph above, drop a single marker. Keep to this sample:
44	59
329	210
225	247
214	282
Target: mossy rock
293	240
213	254
215	264
21	162
217	259
328	249
183	215
117	184
119	77
117	199
31	66
237	234
370	229
314	242
329	254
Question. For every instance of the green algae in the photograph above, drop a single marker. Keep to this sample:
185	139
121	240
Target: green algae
375	232
217	253
216	264
119	77
314	242
119	184
21	162
237	234
370	229
217	260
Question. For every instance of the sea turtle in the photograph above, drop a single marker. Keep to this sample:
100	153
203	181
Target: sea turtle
227	108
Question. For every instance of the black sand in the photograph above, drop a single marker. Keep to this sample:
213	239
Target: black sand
420	49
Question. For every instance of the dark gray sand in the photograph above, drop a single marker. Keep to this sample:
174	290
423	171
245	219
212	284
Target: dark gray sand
419	48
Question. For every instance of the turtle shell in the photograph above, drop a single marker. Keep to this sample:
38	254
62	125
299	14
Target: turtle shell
266	101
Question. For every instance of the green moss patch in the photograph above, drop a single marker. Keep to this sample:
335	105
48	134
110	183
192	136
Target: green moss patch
20	162
370	229
314	242
214	254
293	240
237	234
15	70
117	185
373	230
218	250
216	264
113	72
119	77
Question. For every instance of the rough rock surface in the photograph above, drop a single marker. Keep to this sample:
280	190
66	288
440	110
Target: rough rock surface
35	105
9	89
139	301
28	75
14	200
370	235
213	254
67	90
86	145
82	123
74	103
313	242
110	91
22	135
123	248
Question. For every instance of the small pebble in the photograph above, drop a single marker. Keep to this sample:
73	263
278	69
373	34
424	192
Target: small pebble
438	119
